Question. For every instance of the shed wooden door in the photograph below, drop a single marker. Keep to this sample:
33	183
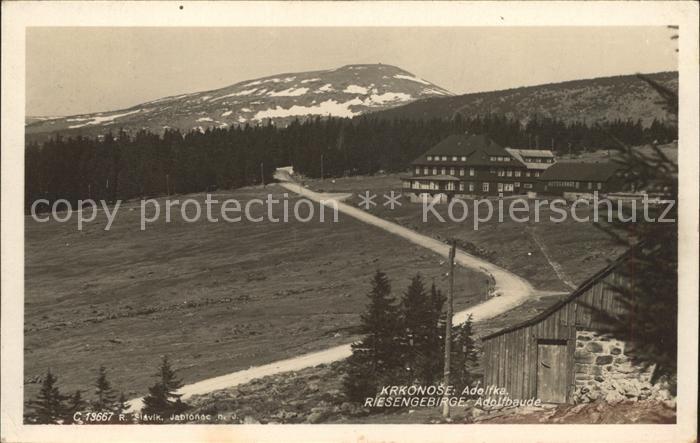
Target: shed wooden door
551	372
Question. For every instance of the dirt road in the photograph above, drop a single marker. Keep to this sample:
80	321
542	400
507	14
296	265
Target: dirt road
509	292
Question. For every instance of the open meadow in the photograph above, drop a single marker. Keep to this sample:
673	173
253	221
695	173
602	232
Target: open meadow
214	297
551	256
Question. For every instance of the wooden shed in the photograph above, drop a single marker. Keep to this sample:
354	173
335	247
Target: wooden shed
551	355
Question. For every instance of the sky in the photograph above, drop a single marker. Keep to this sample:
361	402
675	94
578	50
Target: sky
82	70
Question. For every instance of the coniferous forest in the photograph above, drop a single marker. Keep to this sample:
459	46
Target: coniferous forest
143	164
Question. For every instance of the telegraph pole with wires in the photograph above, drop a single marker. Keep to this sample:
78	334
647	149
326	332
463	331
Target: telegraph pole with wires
448	330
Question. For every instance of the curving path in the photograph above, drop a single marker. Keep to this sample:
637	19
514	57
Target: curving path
510	291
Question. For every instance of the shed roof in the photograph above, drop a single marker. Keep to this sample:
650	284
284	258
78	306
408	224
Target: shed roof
580	290
579	171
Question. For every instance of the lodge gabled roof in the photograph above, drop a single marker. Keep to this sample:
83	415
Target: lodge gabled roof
580	171
476	148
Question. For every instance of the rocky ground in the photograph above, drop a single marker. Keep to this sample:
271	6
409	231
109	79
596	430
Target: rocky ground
599	412
314	395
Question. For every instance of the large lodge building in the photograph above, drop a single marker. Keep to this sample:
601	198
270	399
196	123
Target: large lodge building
467	166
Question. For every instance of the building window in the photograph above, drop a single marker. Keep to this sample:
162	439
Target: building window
452	171
501	173
461	186
485	187
517	173
454	158
599	185
434	171
450	186
590	185
527	185
516	184
508	187
461	172
444	158
471	187
509	173
493	159
527	173
500	187
417	170
443	171
537	173
464	158
430	158
425	171
471	172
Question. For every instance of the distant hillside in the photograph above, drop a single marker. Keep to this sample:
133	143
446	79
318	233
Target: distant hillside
606	98
344	92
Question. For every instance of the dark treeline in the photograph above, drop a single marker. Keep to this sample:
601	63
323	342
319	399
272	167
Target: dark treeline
124	166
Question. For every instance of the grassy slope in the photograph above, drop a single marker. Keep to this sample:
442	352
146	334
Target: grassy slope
215	297
579	248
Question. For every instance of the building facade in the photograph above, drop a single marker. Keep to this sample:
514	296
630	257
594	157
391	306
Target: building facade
576	179
474	165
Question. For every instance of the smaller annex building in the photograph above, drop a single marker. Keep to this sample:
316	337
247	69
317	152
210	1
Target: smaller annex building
575	179
562	355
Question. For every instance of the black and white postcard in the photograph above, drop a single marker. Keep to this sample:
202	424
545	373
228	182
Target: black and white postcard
251	221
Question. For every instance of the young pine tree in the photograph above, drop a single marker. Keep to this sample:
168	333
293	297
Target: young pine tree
50	405
649	294
75	404
418	329
105	397
162	397
375	357
464	357
432	371
122	405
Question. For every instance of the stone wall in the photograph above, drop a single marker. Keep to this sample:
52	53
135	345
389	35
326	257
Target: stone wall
603	371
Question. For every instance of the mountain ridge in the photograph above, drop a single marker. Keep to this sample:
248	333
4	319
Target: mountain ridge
582	100
346	91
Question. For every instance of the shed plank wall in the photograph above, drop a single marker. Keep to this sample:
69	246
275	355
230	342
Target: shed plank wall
511	358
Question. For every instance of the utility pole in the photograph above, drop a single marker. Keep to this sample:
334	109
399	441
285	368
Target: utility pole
262	174
448	331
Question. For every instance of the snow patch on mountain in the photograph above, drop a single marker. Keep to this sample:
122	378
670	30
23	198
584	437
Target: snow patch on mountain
291	92
354	89
100	119
413	79
328	107
388	97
